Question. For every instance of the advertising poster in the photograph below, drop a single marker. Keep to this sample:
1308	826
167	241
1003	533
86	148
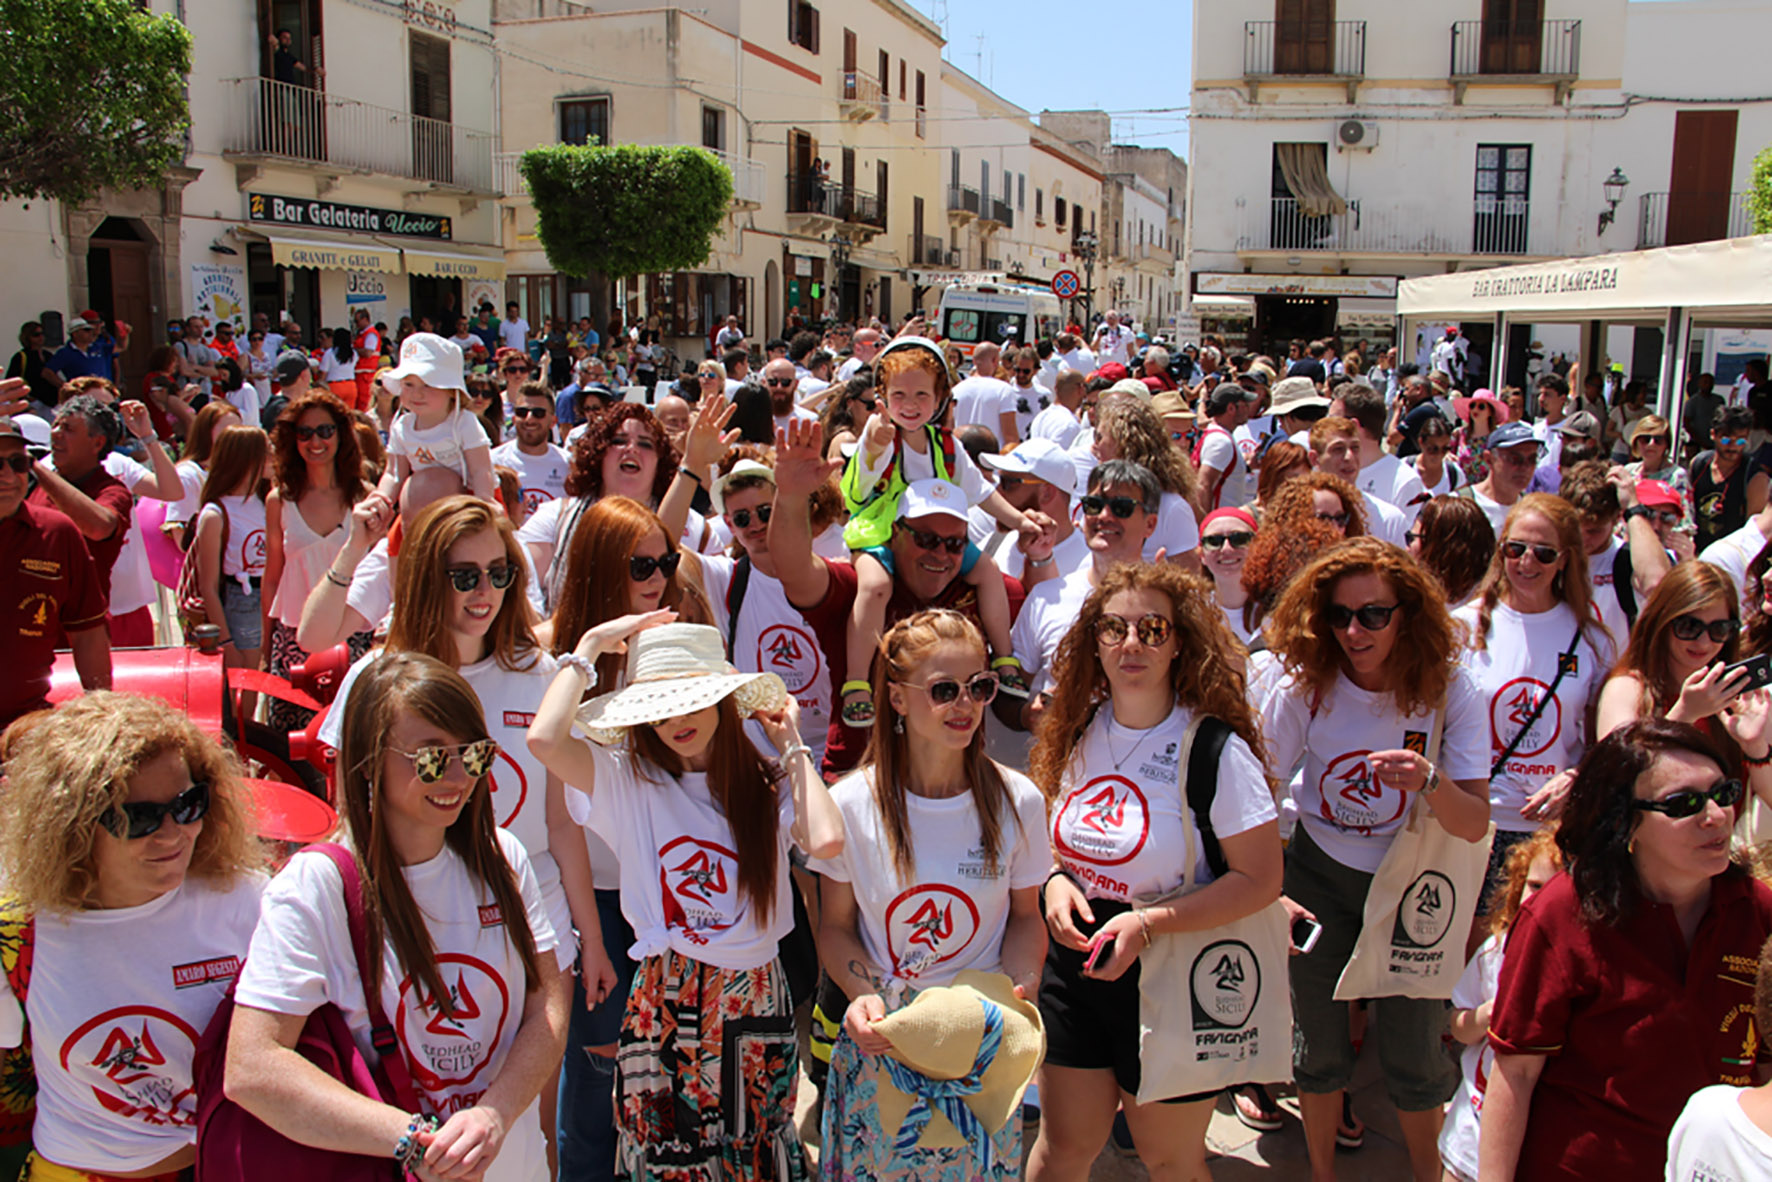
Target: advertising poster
368	290
490	291
218	293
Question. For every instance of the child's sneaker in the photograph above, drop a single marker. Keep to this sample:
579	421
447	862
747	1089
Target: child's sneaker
858	705
1011	678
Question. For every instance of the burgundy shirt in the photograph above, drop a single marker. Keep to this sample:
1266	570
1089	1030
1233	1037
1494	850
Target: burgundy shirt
48	586
111	494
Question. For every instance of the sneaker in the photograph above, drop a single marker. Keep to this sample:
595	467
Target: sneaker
1350	1133
1011	679
1257	1109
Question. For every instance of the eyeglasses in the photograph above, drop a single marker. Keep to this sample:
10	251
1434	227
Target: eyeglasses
742	517
432	763
1121	507
466	578
929	540
1235	541
1689	802
1373	617
1338	520
1153	630
525	412
1410	537
138	819
640	568
781	383
1731	441
1690	627
20	463
323	431
945	691
1545	554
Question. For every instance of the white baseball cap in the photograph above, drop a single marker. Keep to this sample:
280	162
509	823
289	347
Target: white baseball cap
717	494
432	360
1042	459
932	498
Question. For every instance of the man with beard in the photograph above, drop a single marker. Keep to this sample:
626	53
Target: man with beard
783	384
540	466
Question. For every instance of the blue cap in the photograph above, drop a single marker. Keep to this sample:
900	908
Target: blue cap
1512	435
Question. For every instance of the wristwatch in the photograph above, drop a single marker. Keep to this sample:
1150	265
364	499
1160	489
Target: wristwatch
1638	511
1433	780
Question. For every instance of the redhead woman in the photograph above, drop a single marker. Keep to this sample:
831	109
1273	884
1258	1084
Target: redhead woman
1327	498
125	847
193	465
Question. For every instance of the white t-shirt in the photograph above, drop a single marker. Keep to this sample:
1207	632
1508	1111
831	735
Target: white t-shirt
542	478
1046	616
118	1000
798	415
1248	438
1113	344
246	401
1385	521
1121	821
1349	814
1219	451
1452	478
543	527
1391	480
1079	359
132	580
773	637
1714	1141
1026	402
920	465
1605	593
181	511
1177	532
514	334
245	517
679	870
444	446
848	369
301	959
1513	672
1057	423
1005	549
951	917
981	401
334	368
1732	553
1233	616
1494	510
1458	1136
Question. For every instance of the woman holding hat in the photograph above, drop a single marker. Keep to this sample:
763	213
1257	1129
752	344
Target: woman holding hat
940	875
1479	415
1225	536
700	823
1149	656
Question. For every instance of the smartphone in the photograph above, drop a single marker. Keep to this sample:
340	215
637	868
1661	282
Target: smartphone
1305	932
1099	942
1759	673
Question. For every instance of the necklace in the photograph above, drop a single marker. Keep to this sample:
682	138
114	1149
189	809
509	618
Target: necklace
1121	762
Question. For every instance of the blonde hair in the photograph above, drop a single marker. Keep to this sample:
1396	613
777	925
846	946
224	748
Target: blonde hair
1140	436
68	767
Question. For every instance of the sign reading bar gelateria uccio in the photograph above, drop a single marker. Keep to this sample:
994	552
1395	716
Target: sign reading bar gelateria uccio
332	215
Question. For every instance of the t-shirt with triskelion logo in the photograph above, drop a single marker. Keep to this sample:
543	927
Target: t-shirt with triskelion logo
1349	813
1120	823
542	478
952	916
679	865
118	1000
1514	671
773	637
301	959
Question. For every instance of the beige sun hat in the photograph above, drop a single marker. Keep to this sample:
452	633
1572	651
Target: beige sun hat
675	669
936	1041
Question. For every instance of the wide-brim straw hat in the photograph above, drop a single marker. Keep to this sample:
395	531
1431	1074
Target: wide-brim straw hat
675	669
938	1036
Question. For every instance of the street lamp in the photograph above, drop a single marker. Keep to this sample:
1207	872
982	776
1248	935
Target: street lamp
1613	187
1085	246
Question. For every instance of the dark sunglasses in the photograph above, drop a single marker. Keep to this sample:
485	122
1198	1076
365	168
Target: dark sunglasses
1691	628
432	763
514	369
741	518
1121	507
1545	554
929	540
1410	537
1689	802
1236	540
466	578
524	412
255	338
19	463
1153	630
945	691
1373	617
323	431
1338	520
640	569
781	383
139	819
1642	439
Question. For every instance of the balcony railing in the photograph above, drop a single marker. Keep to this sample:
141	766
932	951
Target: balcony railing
858	207
748	183
926	250
810	194
508	174
860	94
1549	50
1280	224
1674	219
1323	49
292	122
996	212
963	201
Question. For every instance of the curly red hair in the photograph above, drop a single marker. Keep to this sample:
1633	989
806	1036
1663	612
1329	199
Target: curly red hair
586	477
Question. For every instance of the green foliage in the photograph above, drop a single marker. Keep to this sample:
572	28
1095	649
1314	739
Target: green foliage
95	97
1759	197
626	210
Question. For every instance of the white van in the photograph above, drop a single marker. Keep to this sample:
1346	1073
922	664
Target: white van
971	314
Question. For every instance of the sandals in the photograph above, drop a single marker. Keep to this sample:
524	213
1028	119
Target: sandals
1011	678
1350	1131
1257	1109
858	712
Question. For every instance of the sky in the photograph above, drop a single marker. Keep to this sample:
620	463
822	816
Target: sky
1144	69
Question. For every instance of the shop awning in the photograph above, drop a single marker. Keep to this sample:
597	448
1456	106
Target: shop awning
336	255
1225	306
454	264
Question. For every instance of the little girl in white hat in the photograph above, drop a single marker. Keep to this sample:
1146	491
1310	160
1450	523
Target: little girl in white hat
432	429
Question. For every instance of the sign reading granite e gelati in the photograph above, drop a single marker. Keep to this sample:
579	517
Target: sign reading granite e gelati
331	215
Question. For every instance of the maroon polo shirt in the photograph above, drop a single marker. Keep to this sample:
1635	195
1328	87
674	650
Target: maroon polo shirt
48	586
110	493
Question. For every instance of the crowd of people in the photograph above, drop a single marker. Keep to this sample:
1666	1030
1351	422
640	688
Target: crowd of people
1082	738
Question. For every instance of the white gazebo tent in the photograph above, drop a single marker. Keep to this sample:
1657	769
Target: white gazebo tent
1677	289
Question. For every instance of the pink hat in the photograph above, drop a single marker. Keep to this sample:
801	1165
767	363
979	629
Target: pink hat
1232	513
1461	406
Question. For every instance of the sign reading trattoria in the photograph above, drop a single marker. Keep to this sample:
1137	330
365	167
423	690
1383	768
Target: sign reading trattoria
1549	281
332	215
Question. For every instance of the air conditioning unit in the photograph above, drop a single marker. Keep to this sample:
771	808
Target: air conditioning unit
1357	133
953	258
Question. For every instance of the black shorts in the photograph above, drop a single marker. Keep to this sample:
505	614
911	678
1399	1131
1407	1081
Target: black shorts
1092	1024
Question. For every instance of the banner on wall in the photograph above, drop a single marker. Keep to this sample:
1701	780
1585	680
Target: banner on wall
218	293
369	291
490	291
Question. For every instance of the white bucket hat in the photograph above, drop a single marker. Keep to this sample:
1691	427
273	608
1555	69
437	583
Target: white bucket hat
675	669
431	359
717	494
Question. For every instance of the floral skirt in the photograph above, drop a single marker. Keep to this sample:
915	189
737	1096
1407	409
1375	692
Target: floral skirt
286	654
680	1115
857	1149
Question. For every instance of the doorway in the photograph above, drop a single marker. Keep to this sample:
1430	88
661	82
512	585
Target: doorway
1280	319
1698	199
436	297
1513	36
119	287
1304	41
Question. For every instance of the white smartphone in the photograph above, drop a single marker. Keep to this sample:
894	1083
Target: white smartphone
1305	932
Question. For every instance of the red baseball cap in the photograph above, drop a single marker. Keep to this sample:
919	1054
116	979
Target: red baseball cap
90	314
1657	493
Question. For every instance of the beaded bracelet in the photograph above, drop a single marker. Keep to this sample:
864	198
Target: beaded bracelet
408	1150
583	664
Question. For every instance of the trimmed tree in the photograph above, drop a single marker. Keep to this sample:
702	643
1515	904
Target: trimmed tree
626	210
95	97
1759	198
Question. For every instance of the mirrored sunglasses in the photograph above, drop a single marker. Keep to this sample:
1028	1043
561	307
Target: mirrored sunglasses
466	578
1153	630
431	764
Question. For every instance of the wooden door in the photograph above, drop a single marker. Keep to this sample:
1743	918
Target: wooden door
1513	36
132	301
1698	199
849	63
1304	36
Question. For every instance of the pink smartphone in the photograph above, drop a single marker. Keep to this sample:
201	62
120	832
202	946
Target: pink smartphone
1097	942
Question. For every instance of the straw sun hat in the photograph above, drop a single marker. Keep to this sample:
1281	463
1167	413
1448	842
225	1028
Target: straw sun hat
962	1055
676	669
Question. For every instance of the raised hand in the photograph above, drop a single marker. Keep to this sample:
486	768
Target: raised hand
707	440
800	466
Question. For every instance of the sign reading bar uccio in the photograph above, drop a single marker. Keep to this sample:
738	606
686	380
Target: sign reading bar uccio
332	215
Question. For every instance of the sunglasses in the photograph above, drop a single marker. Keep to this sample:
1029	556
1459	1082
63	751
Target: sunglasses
1689	802
781	383
640	569
945	691
1410	537
928	540
254	338
466	578
1691	628
1545	554
20	463
1373	617
742	517
514	369
525	412
1153	630
1338	520
323	431
1121	507
1731	441
137	820
1235	541
432	763
1642	439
